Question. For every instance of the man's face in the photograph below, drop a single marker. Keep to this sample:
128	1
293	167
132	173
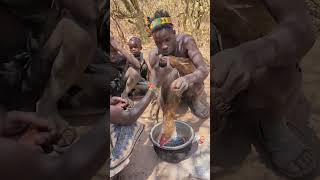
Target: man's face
165	39
135	47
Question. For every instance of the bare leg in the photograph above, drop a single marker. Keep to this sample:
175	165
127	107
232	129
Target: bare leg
132	77
198	100
75	50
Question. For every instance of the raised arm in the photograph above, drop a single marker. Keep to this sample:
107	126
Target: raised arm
195	55
129	57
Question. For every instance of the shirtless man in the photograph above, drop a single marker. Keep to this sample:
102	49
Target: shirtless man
189	87
258	73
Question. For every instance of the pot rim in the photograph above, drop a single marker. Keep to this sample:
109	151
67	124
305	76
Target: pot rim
155	143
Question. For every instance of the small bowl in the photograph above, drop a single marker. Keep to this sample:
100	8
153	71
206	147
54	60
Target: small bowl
173	154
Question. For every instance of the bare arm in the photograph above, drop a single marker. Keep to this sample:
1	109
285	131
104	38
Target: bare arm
195	55
289	41
129	57
121	117
134	61
81	162
153	58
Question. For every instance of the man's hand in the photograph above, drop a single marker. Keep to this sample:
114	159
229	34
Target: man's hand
158	74
179	86
118	101
232	70
115	100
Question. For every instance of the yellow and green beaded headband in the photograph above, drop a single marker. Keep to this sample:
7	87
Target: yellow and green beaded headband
160	21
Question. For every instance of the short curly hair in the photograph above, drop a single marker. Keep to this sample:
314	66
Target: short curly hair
135	40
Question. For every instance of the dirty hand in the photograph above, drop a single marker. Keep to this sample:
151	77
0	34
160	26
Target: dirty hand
158	74
179	86
232	70
164	60
116	100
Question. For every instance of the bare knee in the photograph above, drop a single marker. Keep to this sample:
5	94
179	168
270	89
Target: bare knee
133	74
77	48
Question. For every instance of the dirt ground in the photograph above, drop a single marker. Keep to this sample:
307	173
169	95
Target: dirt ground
145	165
242	160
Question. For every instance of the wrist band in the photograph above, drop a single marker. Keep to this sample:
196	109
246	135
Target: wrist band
153	88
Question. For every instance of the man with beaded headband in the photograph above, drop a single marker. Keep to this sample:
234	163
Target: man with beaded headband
190	87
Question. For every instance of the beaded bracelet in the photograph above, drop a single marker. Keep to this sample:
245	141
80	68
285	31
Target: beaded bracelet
153	88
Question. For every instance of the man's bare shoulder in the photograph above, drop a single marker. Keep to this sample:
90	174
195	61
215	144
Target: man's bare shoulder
185	38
